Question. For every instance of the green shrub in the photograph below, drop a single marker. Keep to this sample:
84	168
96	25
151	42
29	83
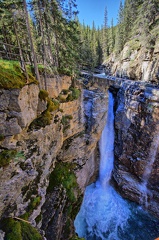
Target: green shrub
74	95
43	94
6	156
52	105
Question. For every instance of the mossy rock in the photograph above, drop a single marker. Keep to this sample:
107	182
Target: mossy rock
31	207
52	105
45	117
66	122
11	75
19	230
62	174
6	156
2	137
42	121
74	95
43	94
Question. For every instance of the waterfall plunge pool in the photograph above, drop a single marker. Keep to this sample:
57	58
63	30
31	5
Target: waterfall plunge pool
104	214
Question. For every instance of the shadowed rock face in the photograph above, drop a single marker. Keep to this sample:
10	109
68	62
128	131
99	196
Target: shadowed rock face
81	152
136	171
25	180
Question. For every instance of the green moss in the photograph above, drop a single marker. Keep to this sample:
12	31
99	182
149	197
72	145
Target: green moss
61	98
52	105
66	122
64	179
19	230
43	94
2	137
62	174
12	229
6	156
45	117
75	93
29	232
38	218
19	156
31	207
42	121
11	75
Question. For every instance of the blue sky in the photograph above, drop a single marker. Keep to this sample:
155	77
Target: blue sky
90	10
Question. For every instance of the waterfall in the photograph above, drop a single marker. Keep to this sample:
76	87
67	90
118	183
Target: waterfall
106	146
104	214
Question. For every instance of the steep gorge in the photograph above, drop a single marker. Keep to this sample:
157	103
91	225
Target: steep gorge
45	179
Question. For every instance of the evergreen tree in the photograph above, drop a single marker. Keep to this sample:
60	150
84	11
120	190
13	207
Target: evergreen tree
119	39
112	37
105	45
147	14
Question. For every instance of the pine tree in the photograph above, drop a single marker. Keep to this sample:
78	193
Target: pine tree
112	37
149	12
105	45
119	39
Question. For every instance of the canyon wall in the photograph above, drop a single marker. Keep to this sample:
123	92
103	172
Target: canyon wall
49	150
136	171
136	62
48	153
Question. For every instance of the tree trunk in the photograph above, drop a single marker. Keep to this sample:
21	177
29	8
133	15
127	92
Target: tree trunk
22	62
31	43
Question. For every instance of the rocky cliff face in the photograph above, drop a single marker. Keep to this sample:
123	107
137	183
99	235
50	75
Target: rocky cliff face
49	152
136	172
136	62
45	169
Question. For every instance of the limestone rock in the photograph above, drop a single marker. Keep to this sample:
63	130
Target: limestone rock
136	62
57	84
25	180
18	109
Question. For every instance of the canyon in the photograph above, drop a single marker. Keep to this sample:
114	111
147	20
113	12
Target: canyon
50	165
